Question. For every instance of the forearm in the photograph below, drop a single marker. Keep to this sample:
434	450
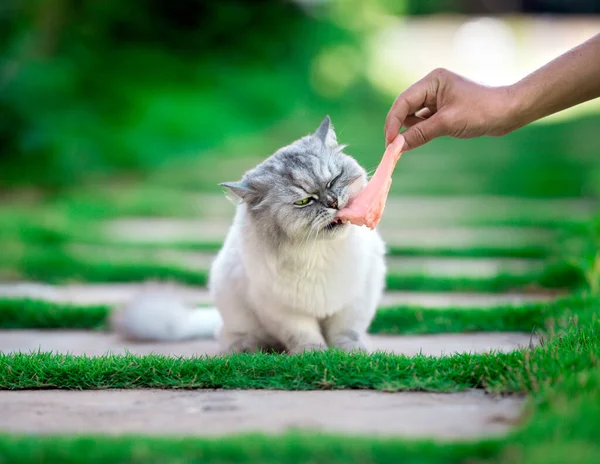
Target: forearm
570	79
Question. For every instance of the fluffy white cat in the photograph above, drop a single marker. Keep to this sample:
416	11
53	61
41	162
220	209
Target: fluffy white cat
289	276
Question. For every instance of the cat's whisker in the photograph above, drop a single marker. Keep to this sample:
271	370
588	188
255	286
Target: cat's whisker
315	226
303	239
307	236
370	172
315	241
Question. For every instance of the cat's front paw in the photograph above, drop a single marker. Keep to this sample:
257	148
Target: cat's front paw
347	344
241	346
307	348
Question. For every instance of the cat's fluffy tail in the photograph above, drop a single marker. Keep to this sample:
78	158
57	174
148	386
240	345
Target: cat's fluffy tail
159	316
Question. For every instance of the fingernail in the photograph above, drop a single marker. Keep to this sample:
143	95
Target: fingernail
388	138
402	141
388	141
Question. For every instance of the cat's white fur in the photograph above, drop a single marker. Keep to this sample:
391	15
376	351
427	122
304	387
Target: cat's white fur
295	296
158	314
321	294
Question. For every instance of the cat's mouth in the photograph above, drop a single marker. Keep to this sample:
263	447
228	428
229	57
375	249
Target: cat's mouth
335	224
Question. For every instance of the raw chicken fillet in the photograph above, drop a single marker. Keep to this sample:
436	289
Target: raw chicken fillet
367	207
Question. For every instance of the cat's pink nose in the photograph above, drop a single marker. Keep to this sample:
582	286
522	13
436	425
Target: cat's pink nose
332	201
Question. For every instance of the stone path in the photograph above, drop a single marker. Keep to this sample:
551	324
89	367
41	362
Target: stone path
165	230
115	293
215	413
429	266
482	268
80	342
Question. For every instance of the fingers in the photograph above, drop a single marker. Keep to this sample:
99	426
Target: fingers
420	101
424	113
411	121
418	117
407	103
424	131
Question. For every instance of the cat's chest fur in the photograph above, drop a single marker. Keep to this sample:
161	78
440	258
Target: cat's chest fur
318	280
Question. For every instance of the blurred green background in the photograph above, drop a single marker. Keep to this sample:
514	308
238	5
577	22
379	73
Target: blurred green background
90	90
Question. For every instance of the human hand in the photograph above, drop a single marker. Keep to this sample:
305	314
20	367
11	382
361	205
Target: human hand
444	103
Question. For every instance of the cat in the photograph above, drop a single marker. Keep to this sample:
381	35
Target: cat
289	276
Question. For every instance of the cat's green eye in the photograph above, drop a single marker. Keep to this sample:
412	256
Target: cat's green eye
304	201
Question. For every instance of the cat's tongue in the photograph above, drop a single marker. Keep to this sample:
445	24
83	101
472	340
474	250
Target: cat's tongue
367	207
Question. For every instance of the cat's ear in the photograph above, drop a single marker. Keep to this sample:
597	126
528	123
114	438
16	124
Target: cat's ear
241	189
326	134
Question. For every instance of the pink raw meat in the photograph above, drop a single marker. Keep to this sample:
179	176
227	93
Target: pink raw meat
367	207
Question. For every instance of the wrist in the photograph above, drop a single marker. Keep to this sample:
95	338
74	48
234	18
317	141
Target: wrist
517	107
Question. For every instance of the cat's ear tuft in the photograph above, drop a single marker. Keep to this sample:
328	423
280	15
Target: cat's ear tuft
326	134
241	190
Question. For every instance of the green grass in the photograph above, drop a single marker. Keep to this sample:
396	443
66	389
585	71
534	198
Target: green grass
24	313
289	448
56	264
327	370
506	318
558	276
519	251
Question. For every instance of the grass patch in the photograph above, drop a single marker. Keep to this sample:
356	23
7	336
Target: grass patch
506	318
57	264
556	276
519	251
24	313
289	448
35	236
331	369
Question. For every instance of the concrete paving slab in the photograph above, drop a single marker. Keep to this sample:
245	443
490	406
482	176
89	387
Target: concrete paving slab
465	237
80	342
433	266
464	299
482	268
116	293
95	293
165	230
455	416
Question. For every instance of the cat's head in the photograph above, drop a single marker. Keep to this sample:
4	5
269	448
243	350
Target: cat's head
295	194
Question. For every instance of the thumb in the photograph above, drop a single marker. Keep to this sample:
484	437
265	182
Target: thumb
423	132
